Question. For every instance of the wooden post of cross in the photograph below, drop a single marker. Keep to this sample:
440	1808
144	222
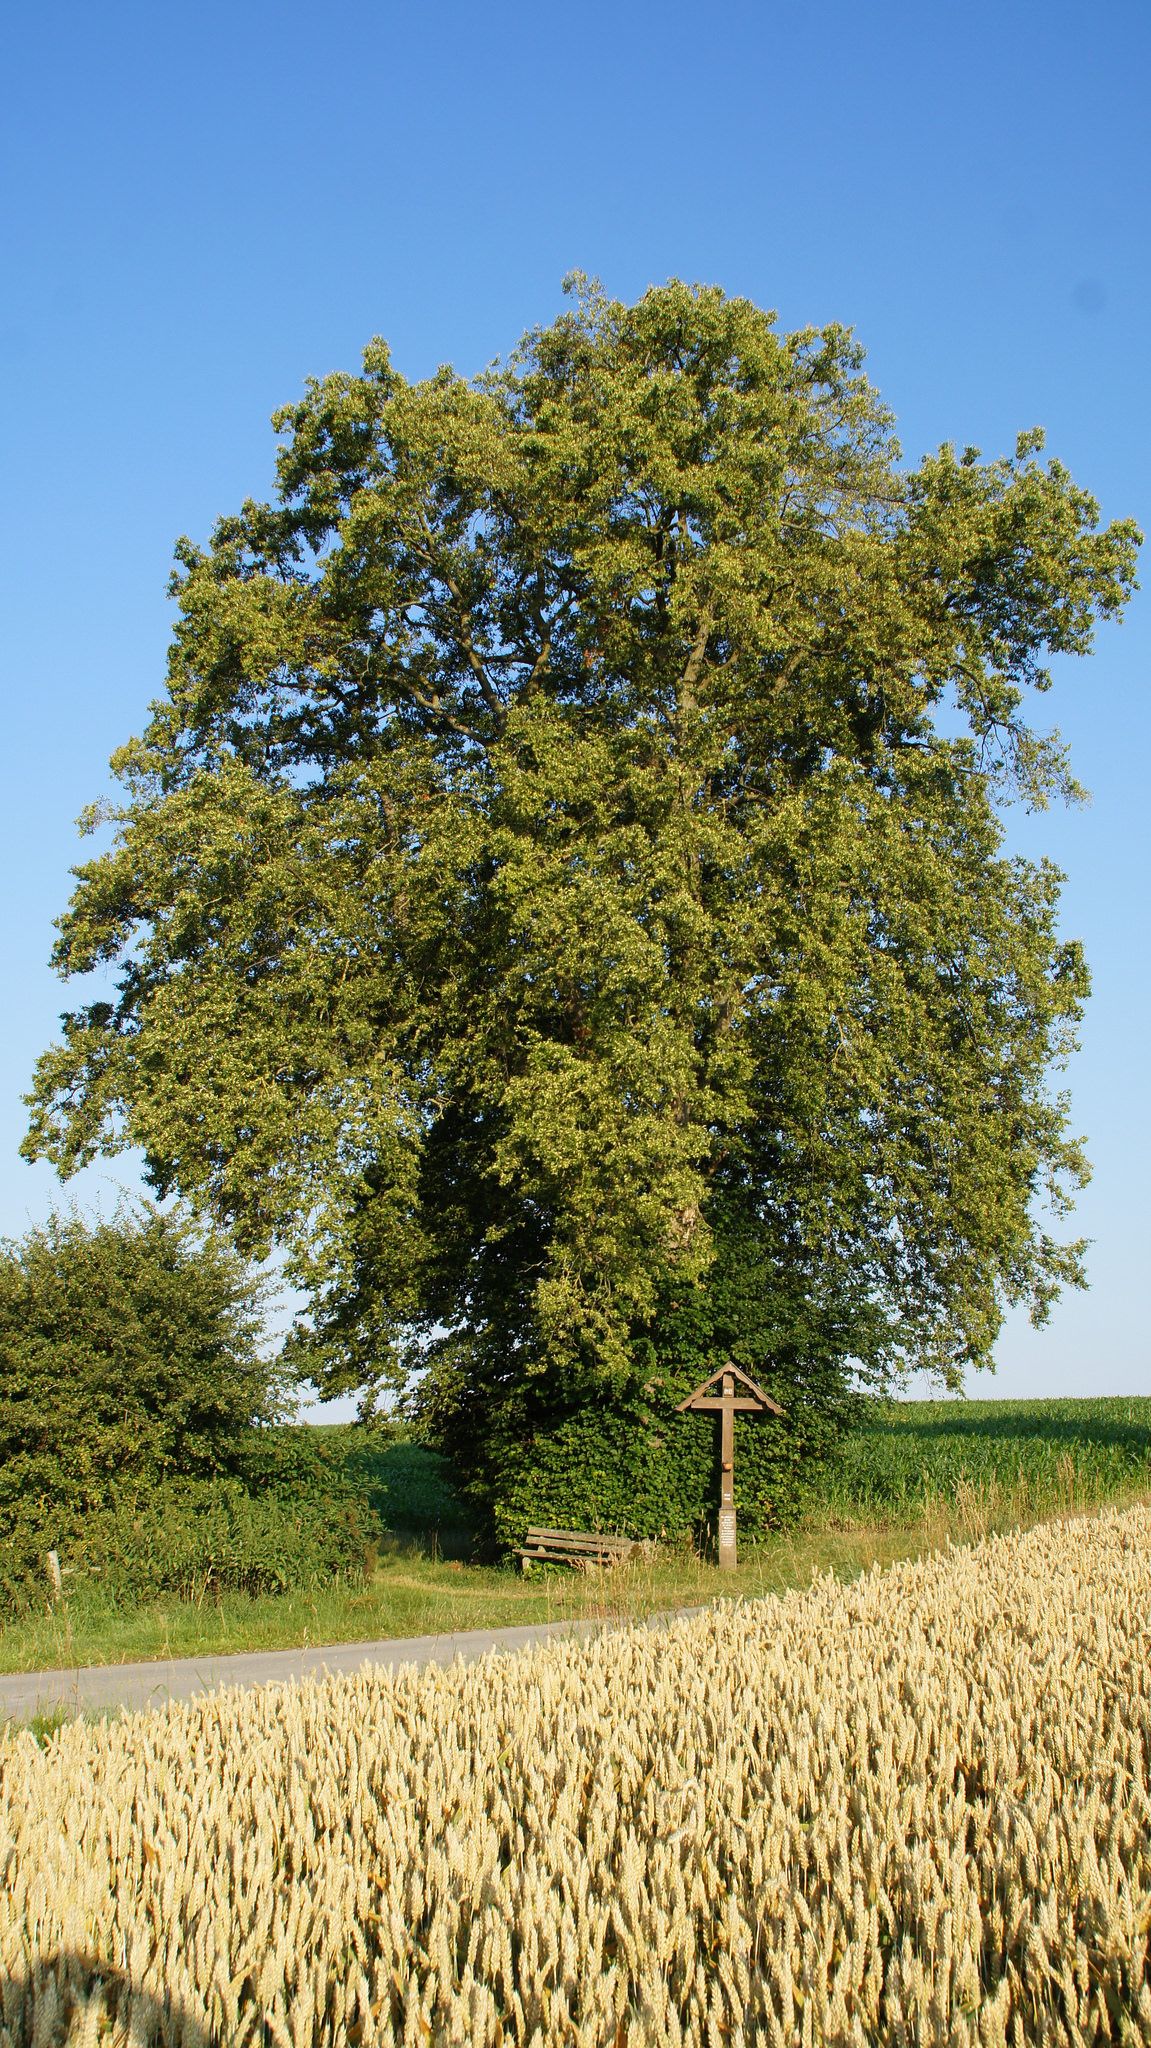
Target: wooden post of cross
727	1393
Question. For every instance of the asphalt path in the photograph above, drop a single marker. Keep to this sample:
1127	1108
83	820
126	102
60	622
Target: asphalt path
104	1688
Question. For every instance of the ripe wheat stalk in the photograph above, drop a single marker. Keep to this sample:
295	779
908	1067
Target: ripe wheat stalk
913	1810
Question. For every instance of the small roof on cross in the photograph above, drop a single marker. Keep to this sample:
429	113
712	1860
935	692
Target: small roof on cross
710	1394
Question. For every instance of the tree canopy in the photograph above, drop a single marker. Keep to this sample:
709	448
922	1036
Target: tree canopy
570	842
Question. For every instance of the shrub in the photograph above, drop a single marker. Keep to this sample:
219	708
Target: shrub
640	1468
194	1538
614	1454
130	1352
135	1424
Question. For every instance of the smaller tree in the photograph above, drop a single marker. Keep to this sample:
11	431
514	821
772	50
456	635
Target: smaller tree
130	1351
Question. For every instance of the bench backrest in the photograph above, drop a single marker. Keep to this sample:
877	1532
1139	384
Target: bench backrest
576	1539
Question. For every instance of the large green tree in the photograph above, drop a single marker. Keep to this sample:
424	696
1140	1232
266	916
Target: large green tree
569	847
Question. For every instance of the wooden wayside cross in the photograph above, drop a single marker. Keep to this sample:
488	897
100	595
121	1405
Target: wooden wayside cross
719	1395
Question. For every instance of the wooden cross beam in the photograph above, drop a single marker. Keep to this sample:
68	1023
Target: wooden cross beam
718	1395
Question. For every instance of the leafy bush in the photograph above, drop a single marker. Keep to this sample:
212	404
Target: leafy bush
137	1433
130	1352
617	1456
194	1538
294	1514
640	1468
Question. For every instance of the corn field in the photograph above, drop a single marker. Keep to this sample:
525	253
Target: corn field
912	1810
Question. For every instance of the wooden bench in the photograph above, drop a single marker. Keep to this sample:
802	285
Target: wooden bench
572	1546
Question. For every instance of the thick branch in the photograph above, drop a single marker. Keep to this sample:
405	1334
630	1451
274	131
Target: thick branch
693	667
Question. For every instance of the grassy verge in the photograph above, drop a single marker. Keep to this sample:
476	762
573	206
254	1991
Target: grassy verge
413	1594
922	1474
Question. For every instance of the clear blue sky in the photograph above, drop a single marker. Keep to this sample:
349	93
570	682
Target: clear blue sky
203	206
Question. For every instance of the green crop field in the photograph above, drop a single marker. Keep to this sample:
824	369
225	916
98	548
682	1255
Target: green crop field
909	1456
1046	1455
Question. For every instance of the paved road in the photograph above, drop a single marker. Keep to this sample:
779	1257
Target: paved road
102	1688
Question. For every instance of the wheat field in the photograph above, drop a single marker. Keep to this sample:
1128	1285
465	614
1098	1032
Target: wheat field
912	1810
